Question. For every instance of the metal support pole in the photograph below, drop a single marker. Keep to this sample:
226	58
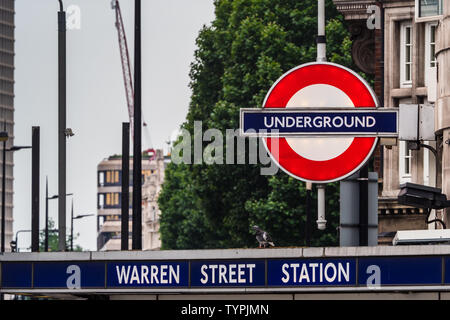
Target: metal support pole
125	185
321	57
62	128
321	39
46	216
35	189
137	149
71	228
321	222
308	214
364	206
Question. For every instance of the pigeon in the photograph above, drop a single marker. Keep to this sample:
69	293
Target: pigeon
263	237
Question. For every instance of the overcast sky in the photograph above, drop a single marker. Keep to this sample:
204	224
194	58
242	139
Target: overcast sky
96	103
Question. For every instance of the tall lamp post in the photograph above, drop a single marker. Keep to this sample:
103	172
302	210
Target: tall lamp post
62	129
16	242
4	138
137	144
80	216
46	212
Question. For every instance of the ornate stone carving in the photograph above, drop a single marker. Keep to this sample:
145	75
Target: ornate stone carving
363	48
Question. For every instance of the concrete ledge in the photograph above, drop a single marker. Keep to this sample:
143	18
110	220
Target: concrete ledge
387	251
199	254
45	256
313	252
236	290
224	254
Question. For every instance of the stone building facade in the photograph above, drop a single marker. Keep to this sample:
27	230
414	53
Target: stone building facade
150	210
404	44
109	178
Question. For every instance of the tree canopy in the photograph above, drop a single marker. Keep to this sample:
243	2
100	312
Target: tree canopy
248	46
53	239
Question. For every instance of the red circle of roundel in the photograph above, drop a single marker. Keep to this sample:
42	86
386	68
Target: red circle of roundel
354	156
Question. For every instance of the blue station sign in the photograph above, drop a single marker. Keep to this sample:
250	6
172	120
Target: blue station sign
285	122
213	273
317	272
357	272
147	274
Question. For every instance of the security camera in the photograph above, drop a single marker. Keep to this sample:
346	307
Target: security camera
69	133
13	245
420	196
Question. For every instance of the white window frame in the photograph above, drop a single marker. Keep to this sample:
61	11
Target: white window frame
428	57
101	178
404	83
429	165
426	166
427	19
404	155
101	200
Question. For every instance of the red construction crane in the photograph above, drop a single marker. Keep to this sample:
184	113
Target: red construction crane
126	69
125	58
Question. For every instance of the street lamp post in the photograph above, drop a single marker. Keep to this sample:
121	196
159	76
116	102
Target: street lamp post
62	129
46	215
71	221
137	145
4	137
17	238
20	231
46	212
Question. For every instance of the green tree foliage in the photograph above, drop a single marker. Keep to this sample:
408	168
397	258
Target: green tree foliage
249	45
53	239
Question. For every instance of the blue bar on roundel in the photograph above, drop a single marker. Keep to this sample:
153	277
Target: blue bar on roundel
228	273
310	122
311	272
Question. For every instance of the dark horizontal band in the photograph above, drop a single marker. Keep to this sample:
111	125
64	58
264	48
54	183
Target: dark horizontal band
321	39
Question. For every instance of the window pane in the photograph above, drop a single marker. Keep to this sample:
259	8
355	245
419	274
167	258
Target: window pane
428	8
432	57
408	35
101	200
408	72
101	178
408	162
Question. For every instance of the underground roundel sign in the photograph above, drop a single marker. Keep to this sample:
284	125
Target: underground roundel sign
321	158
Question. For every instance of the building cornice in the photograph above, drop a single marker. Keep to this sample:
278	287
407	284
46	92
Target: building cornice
354	9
